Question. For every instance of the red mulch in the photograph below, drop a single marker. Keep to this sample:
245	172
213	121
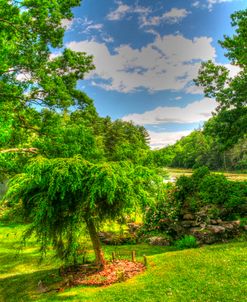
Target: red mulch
113	272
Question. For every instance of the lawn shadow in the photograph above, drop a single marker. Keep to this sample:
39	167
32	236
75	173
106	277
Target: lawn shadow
24	287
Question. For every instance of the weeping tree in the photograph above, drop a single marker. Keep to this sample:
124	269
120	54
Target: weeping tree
59	195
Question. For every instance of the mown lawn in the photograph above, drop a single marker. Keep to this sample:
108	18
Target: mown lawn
212	273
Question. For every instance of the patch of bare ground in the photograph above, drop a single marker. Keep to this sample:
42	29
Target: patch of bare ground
115	271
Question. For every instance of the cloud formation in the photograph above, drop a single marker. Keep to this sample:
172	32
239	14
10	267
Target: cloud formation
123	9
209	3
161	139
195	112
169	62
173	16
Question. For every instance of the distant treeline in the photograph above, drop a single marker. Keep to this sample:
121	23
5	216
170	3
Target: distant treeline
220	144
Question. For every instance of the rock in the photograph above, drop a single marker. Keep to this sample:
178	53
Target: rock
216	229
133	227
187	223
228	226
156	240
188	216
212	221
218	221
194	230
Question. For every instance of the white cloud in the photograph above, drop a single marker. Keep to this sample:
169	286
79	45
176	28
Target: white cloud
83	25
195	112
123	9
212	2
233	70
173	16
170	62
161	139
196	4
209	3
67	23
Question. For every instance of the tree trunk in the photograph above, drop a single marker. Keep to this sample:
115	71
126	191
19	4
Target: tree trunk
99	255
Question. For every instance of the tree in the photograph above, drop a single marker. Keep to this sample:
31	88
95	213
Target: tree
124	141
59	146
59	194
229	92
29	76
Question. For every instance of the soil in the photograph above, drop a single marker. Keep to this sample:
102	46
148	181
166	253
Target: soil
115	271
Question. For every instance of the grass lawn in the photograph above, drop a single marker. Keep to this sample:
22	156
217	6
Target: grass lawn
235	176
211	273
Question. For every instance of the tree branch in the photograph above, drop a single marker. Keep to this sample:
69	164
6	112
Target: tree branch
17	150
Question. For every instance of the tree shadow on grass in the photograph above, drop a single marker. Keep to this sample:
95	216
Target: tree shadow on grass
11	258
24	287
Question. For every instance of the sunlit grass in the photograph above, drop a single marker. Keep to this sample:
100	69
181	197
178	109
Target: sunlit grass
212	273
235	176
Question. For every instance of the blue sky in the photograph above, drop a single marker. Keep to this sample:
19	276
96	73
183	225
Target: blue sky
146	54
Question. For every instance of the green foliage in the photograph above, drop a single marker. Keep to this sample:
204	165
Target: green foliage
58	195
187	242
214	189
124	141
222	142
223	198
163	212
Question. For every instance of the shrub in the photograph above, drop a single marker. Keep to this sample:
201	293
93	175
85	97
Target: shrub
163	212
238	194
187	242
214	189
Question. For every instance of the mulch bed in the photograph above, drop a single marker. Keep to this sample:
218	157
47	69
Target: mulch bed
116	271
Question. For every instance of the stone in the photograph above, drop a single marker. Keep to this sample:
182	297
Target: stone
212	221
156	240
194	230
228	226
216	229
188	216
133	227
187	223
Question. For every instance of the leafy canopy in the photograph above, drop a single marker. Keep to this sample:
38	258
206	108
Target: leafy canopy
59	194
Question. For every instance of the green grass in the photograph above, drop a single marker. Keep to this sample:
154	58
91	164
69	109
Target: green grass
211	273
235	176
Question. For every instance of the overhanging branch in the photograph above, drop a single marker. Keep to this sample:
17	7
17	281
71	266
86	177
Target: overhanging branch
20	150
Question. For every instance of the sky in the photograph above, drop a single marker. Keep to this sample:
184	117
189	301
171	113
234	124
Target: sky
147	53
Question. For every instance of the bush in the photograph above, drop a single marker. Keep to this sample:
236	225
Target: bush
187	242
214	194
214	189
163	212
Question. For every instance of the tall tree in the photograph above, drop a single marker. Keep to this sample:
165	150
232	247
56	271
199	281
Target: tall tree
64	179
230	92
